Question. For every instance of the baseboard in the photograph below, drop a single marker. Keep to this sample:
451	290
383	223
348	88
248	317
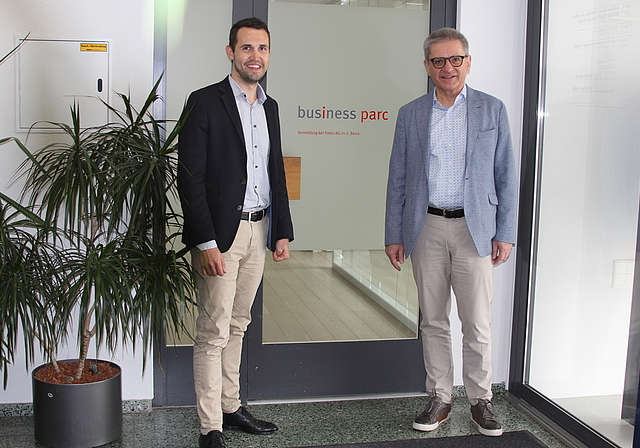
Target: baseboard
21	409
143	406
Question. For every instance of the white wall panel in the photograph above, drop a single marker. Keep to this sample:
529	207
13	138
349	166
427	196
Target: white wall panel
129	27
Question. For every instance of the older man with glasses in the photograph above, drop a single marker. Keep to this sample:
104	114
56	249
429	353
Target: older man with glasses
451	206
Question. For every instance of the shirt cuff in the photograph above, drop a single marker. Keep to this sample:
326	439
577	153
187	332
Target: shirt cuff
207	245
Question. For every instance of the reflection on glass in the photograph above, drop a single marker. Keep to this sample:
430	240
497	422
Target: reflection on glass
370	271
321	296
585	259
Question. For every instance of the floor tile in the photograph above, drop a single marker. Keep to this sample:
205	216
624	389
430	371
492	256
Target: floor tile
301	424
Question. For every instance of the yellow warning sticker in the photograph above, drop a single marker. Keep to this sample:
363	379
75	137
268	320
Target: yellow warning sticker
93	47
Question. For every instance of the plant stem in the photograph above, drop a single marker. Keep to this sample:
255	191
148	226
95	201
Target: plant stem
50	351
86	339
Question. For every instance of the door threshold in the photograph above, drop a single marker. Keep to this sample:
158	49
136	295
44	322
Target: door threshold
338	398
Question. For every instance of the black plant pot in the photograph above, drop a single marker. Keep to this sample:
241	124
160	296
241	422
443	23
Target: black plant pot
77	415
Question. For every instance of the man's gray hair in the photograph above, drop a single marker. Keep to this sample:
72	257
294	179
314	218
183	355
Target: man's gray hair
444	35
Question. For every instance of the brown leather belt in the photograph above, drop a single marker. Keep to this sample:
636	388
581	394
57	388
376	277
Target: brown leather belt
253	216
457	213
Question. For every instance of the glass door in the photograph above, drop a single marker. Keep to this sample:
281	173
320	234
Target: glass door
336	319
576	335
190	36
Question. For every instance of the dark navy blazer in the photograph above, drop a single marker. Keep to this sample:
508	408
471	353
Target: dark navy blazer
212	171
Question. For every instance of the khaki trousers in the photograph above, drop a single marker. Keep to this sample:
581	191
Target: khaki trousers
445	258
224	312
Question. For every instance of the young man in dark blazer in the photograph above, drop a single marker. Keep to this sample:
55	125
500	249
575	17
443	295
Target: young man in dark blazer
234	199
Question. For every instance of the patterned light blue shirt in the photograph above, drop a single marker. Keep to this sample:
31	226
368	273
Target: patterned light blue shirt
447	153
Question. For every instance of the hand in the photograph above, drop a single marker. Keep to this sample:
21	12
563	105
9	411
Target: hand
282	250
501	252
212	262
395	252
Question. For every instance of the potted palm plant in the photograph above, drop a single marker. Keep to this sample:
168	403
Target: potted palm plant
92	251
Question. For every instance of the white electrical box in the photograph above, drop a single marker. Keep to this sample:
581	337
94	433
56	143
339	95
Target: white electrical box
52	75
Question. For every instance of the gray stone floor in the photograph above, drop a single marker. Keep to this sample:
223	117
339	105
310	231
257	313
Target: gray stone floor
301	424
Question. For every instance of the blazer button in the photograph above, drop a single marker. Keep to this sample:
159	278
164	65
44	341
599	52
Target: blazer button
239	208
243	181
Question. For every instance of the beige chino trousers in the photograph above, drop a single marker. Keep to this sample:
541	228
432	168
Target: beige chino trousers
224	313
445	257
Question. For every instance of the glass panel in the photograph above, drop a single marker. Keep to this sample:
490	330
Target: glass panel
197	34
369	270
323	296
588	211
339	96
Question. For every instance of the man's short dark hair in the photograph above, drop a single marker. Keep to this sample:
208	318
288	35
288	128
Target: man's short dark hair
445	35
251	22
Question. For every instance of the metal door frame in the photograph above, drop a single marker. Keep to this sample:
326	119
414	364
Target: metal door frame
281	372
526	241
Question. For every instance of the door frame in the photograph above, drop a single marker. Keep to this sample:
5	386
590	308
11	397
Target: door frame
281	372
289	371
298	370
526	242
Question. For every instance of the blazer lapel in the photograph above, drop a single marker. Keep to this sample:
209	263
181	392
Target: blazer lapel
273	129
474	114
272	119
230	103
423	124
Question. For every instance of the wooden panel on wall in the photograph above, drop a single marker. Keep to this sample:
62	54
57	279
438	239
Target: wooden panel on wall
292	171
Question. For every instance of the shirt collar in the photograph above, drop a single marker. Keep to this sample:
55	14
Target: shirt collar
462	96
239	93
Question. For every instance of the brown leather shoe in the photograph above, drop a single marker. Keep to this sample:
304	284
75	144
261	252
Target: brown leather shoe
435	413
242	419
483	416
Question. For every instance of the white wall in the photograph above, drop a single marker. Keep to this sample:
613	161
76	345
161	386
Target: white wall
496	32
129	25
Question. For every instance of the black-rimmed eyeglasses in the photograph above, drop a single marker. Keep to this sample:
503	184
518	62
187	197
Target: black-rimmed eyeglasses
455	61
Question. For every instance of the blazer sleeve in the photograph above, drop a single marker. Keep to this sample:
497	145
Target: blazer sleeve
192	166
396	183
506	183
281	225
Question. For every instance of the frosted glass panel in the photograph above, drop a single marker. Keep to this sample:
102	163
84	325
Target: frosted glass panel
197	34
339	88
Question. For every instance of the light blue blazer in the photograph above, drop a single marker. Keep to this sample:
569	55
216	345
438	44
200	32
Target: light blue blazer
490	181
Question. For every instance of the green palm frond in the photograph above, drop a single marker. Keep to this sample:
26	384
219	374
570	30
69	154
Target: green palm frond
22	41
98	218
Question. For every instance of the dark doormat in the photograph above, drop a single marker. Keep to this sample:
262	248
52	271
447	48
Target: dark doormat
515	439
